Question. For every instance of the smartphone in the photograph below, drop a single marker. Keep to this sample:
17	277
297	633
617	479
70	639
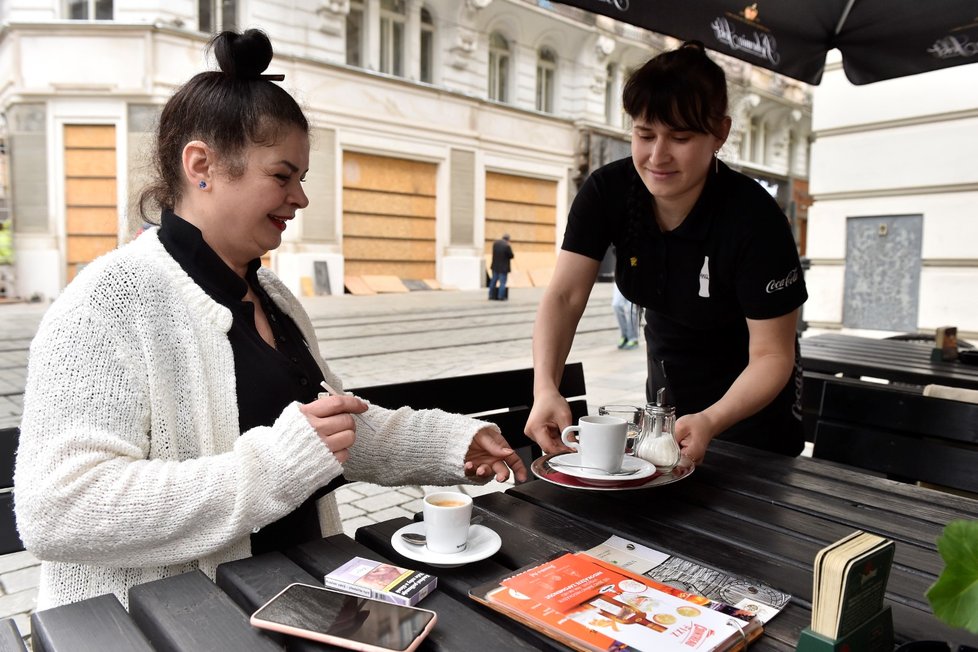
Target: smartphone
344	620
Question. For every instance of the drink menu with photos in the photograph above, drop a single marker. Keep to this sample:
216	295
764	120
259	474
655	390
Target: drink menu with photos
590	604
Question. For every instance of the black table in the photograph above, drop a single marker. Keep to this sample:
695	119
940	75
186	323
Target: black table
744	511
893	360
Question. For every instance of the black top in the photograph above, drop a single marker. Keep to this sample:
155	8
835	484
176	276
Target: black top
267	379
501	254
733	258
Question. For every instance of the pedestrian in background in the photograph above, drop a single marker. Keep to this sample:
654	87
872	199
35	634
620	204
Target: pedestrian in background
628	318
502	253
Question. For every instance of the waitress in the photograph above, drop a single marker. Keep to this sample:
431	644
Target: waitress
705	250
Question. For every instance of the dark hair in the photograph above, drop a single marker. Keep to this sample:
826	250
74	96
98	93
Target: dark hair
682	88
229	109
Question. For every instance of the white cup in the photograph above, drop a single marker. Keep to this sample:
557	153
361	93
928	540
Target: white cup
600	441
446	521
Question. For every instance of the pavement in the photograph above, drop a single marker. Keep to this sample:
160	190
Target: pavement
369	340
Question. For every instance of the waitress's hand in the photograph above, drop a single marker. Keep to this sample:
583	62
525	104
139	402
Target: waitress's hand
488	454
694	432
332	419
549	416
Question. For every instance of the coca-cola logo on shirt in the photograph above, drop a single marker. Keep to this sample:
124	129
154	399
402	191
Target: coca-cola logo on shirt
780	284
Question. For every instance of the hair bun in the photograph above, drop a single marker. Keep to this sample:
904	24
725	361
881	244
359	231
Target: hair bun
693	45
243	56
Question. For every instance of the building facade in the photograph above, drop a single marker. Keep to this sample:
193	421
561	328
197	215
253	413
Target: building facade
437	125
893	229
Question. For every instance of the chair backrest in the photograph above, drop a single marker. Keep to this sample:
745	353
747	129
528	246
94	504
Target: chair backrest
10	639
9	539
900	433
502	397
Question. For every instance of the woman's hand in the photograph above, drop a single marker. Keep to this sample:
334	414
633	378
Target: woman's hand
694	432
489	453
332	419
549	416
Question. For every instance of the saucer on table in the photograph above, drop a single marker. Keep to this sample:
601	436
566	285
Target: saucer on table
482	543
567	462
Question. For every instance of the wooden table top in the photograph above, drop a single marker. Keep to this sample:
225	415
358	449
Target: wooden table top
893	360
743	511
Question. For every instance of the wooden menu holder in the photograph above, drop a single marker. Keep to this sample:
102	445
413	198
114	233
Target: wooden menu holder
874	635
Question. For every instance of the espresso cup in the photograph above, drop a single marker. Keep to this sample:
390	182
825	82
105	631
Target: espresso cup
600	441
446	521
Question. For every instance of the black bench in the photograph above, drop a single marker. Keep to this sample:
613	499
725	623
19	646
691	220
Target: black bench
502	397
899	432
813	383
9	539
10	640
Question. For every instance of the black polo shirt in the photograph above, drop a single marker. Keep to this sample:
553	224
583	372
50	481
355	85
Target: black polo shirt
733	258
266	379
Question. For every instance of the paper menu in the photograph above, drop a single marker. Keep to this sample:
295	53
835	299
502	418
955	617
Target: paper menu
742	592
603	607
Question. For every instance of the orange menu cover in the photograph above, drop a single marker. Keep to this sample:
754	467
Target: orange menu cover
589	604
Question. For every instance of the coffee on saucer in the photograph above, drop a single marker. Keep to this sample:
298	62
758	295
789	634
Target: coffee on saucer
446	521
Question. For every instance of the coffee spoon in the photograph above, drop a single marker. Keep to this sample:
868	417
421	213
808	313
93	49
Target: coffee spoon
560	465
420	539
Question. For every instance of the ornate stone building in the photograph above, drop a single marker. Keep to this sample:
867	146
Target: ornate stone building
437	125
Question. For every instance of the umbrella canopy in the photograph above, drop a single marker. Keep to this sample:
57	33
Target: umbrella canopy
878	39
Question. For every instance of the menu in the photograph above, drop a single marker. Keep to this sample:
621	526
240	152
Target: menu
591	604
744	593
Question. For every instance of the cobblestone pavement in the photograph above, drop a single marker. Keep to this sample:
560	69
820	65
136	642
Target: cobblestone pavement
373	340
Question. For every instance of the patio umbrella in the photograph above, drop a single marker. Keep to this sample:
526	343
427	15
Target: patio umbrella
878	39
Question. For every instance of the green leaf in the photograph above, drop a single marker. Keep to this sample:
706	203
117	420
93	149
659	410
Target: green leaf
954	596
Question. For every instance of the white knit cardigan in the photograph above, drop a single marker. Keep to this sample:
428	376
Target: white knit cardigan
131	467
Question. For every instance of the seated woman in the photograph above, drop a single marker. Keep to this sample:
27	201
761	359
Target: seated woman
171	415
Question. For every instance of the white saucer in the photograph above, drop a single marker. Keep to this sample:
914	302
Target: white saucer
566	463
483	543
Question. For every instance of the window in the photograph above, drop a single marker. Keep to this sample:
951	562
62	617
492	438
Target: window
217	15
392	19
427	46
609	94
354	34
758	138
498	67
89	9
546	69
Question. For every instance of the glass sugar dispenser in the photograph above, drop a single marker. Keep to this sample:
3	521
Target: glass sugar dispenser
656	443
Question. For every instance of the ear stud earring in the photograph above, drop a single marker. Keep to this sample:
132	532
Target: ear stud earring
202	185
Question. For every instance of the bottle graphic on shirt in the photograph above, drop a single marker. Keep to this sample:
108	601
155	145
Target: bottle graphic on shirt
705	278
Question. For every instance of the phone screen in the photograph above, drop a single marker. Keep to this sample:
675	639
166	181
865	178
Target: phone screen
371	622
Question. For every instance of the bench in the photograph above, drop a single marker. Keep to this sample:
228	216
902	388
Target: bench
813	384
898	432
10	639
9	539
502	397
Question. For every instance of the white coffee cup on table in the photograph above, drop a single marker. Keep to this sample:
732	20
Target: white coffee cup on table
446	521
600	441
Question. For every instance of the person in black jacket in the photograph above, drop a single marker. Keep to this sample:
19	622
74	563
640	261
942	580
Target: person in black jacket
502	253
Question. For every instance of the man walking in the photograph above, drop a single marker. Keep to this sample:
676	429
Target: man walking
502	253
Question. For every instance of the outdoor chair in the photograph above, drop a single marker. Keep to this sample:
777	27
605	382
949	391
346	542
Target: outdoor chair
9	539
502	397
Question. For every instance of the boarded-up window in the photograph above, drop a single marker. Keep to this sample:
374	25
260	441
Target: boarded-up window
526	209
523	207
388	216
92	221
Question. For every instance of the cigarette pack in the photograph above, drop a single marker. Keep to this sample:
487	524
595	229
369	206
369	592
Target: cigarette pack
381	581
